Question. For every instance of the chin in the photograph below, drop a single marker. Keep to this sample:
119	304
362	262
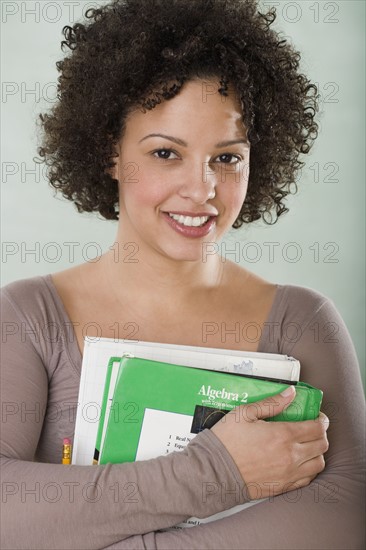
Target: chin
184	253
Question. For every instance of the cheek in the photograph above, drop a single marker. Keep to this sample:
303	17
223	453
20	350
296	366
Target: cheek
233	195
143	189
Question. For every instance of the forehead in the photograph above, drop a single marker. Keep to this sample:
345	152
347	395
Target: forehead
198	105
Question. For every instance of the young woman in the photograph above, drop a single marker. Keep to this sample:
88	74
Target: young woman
181	120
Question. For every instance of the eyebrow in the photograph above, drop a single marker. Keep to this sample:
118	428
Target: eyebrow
181	142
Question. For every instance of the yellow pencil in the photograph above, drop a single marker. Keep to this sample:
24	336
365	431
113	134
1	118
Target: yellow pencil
66	451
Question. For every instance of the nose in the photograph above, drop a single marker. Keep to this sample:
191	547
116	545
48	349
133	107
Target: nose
199	184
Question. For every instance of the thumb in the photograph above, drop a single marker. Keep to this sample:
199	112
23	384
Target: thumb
271	406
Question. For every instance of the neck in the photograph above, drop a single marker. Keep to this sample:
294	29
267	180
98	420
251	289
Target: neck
148	274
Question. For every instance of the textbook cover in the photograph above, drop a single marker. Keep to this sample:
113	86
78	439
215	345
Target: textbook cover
152	408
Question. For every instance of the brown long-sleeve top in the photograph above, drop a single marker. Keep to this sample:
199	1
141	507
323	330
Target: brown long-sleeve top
46	505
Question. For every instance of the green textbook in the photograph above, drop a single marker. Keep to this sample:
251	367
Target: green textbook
151	408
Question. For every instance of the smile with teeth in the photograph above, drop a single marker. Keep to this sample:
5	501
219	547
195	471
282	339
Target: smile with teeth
189	221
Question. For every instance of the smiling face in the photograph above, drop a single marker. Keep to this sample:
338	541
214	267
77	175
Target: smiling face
182	171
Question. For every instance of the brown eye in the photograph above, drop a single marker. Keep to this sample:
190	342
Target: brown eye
226	157
163	154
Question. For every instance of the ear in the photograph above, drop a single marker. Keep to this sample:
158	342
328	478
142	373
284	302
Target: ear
113	171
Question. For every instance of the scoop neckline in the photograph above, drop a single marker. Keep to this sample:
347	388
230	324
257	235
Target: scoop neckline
277	300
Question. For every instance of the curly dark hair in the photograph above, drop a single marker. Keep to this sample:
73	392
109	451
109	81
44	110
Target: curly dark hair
140	52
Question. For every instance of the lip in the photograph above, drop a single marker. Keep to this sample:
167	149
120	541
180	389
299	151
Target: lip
191	232
191	214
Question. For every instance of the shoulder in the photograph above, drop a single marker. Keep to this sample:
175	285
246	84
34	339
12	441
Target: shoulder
288	300
33	317
300	301
299	308
307	315
32	299
22	287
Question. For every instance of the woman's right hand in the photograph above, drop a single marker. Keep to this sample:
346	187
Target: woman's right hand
273	457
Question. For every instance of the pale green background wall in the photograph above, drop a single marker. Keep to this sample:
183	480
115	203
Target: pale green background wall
326	219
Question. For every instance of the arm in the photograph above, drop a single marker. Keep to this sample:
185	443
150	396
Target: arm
51	506
330	512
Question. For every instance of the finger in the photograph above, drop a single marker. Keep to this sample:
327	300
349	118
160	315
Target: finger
324	419
294	485
312	449
308	430
299	483
271	406
313	467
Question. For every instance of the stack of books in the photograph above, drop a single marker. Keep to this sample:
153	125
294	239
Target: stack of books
140	400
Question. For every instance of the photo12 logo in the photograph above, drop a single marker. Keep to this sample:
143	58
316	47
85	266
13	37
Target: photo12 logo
46	12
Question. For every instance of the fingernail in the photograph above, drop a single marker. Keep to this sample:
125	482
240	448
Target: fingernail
288	391
326	420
